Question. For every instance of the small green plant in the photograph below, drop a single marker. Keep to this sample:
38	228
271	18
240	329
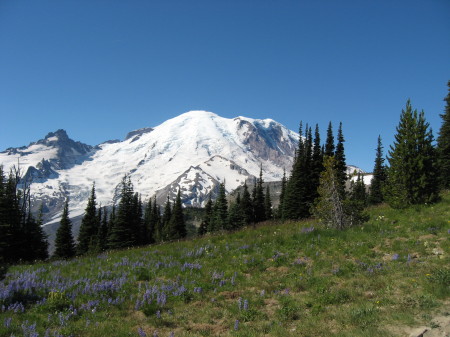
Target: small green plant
364	316
289	310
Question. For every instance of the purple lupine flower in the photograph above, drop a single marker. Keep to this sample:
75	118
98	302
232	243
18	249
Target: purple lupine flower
236	325
158	314
141	332
155	333
240	303
7	322
395	257
263	293
172	334
245	304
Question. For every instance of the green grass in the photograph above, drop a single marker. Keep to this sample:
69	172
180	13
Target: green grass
393	271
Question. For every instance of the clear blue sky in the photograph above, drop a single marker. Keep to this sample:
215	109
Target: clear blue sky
100	68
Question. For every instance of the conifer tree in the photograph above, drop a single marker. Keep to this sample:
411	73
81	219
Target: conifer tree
136	221
35	238
329	143
89	226
235	215
443	145
205	224
316	165
177	225
246	206
111	221
157	222
258	201
379	176
282	193
149	223
358	190
64	242
167	215
268	204
341	166
102	235
412	175
220	214
122	232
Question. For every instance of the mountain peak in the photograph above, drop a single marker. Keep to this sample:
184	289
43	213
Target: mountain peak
59	134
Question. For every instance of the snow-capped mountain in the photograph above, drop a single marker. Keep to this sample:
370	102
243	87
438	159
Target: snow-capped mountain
193	152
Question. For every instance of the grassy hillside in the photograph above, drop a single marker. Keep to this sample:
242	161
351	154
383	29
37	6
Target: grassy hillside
293	279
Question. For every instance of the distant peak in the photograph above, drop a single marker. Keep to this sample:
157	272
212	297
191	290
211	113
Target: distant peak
138	132
60	134
196	113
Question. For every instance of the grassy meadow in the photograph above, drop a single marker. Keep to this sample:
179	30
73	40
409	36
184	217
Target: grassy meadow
278	279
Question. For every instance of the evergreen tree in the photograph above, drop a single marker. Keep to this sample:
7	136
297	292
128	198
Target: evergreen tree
111	221
64	243
149	223
330	207
87	239
157	222
268	204
167	215
136	220
122	232
316	165
246	206
358	190
206	221
282	193
102	234
35	238
412	175
220	214
329	143
341	166
177	226
235	215
258	201
443	145
379	176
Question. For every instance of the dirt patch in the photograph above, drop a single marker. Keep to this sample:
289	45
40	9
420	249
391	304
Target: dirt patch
229	294
215	329
281	270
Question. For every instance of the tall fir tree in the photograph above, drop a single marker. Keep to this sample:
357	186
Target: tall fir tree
341	166
220	213
64	242
35	238
358	190
443	145
268	204
258	201
379	176
177	225
205	224
282	193
87	239
412	174
246	206
316	164
102	235
149	223
122	232
235	214
167	215
329	143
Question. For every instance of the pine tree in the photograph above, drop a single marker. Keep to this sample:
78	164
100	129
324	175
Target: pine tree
235	215
316	165
89	226
36	239
167	215
268	204
443	145
358	190
64	243
177	225
102	234
122	234
379	176
206	221
329	143
341	166
246	206
220	213
282	193
412	175
136	220
149	223
258	201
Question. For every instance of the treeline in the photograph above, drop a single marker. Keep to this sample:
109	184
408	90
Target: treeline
132	223
21	235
